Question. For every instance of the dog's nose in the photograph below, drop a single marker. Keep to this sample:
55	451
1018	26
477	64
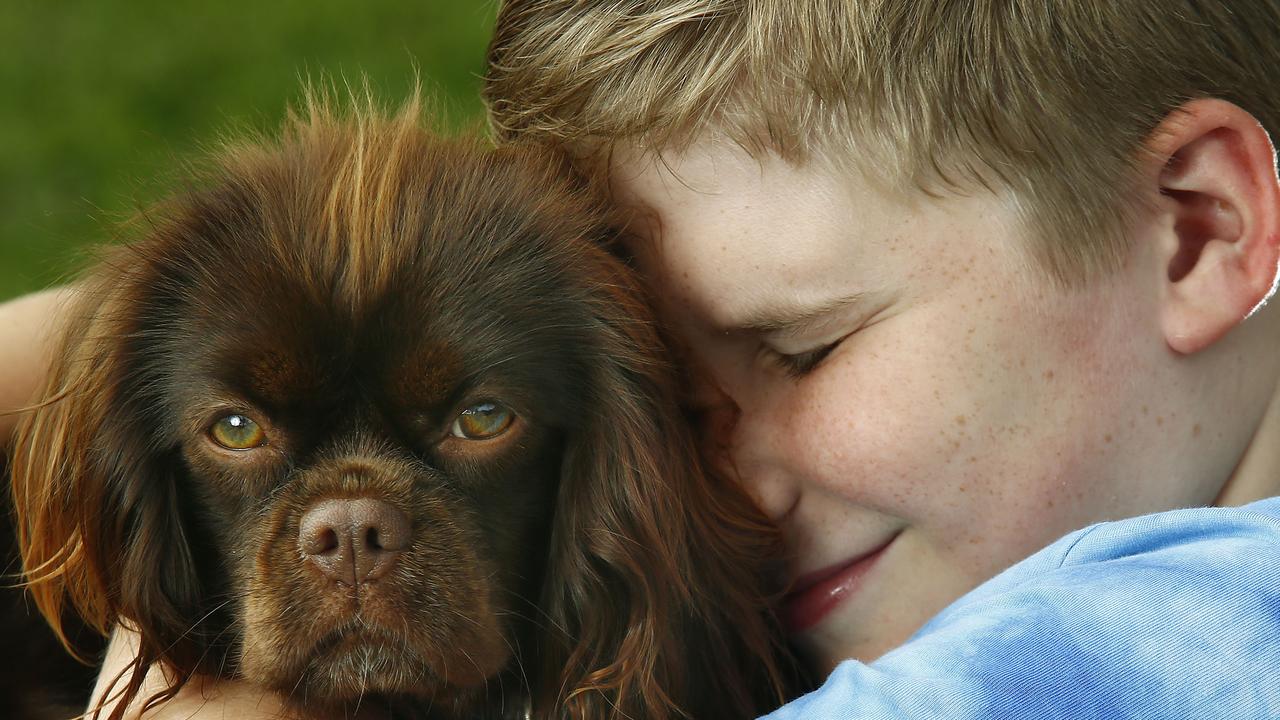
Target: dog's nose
353	540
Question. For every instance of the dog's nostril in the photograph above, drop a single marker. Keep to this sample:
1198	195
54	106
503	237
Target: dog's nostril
318	536
384	527
353	540
326	542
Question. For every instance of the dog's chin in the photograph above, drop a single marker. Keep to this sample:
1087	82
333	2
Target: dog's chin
355	662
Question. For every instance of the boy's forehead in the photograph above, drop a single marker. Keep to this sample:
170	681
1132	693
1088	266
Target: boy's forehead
719	189
741	238
738	238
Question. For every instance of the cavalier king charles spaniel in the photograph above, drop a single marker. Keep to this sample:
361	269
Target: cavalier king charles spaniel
370	416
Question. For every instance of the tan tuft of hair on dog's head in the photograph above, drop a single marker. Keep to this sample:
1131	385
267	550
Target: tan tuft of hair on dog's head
359	152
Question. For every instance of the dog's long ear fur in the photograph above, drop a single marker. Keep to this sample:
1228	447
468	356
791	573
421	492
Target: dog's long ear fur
97	516
657	576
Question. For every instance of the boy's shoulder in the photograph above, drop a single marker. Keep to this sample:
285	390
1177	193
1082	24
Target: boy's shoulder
1098	576
1205	536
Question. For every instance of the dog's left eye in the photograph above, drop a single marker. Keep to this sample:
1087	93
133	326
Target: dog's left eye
481	422
237	432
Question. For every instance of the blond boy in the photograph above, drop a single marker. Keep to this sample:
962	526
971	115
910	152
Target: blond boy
966	277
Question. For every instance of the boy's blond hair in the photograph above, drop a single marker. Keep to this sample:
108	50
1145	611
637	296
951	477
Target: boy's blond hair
1049	99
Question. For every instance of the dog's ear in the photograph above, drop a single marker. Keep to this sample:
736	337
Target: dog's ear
96	505
657	588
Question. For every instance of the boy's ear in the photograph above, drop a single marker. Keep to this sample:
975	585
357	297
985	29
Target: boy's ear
1220	229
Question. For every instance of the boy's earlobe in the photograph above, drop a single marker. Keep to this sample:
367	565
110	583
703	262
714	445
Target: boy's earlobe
1220	243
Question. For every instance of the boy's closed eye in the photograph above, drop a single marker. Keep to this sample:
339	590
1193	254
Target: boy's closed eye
797	365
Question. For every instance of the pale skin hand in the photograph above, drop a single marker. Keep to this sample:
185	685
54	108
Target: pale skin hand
204	698
201	699
27	327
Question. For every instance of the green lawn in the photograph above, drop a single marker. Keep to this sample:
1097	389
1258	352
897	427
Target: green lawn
100	101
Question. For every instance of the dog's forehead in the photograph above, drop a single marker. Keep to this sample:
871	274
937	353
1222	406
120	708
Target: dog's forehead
409	350
364	208
336	254
357	217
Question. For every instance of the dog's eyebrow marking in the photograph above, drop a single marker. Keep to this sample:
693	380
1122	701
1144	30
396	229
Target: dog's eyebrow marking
429	377
278	375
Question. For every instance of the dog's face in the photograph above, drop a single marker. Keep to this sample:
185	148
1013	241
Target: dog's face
369	465
374	413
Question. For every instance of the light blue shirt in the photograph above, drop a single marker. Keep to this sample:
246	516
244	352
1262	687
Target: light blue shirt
1173	615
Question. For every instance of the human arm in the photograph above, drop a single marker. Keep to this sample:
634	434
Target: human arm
27	334
1169	615
203	698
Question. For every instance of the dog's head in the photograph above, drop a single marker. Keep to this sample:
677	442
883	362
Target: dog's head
370	412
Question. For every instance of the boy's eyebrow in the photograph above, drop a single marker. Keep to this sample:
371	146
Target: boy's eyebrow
794	320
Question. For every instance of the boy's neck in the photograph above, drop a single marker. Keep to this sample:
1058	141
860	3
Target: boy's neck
1257	475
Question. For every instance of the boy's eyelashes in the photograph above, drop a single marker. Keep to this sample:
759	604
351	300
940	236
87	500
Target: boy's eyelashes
797	365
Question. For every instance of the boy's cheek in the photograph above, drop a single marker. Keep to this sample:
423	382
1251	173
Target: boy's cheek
970	442
905	413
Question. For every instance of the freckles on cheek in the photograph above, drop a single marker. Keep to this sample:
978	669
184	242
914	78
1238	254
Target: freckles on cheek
930	431
867	432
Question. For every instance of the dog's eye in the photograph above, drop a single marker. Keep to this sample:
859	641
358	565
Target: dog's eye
237	432
483	421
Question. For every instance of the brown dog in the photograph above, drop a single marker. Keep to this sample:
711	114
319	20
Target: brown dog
370	416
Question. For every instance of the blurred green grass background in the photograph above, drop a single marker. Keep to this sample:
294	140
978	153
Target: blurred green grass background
100	101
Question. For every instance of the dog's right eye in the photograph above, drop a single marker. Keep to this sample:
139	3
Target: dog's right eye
481	422
237	432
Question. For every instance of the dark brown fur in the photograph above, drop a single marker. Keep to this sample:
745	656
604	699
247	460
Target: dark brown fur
352	287
39	681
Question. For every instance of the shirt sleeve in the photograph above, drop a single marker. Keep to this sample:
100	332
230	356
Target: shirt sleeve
1173	615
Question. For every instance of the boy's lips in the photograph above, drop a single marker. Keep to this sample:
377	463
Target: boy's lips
814	595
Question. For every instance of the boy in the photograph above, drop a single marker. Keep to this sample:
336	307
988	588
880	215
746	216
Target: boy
965	277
